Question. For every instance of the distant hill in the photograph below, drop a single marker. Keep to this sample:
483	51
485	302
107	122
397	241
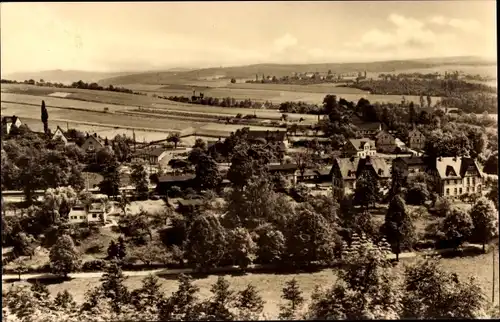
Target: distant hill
173	77
63	76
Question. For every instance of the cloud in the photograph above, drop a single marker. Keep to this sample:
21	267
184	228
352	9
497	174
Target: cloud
285	42
467	25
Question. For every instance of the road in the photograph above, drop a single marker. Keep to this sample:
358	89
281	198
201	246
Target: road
163	271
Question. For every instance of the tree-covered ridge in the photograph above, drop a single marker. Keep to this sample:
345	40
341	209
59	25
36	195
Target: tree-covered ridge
434	87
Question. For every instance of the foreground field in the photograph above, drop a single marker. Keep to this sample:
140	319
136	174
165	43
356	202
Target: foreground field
270	285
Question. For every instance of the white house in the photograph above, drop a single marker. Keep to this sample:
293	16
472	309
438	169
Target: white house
95	212
60	134
360	148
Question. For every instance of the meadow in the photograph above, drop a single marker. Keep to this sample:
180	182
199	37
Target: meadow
270	285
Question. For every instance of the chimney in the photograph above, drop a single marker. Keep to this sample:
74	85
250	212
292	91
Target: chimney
95	135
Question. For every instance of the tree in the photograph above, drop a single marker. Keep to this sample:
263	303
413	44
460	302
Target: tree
311	239
205	239
151	253
303	161
124	202
139	178
58	202
112	287
233	80
24	245
366	287
45	118
249	303
367	191
398	180
200	144
217	308
292	294
271	245
491	164
432	293
64	300
398	226
64	257
174	138
110	183
149	296
207	173
417	193
241	247
183	304
485	220
457	226
247	162
429	101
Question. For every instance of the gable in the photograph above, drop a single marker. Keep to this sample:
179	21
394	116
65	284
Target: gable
450	172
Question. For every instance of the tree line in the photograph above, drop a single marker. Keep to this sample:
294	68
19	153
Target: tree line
79	84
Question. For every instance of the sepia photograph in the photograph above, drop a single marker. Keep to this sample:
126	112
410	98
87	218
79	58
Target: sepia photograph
249	160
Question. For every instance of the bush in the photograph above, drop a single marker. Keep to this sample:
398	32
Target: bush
94	265
442	207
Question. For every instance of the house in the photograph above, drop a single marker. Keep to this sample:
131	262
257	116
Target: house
345	171
320	175
288	171
165	183
185	206
411	166
8	121
268	136
92	144
457	176
416	140
359	148
369	129
385	142
59	134
96	212
150	156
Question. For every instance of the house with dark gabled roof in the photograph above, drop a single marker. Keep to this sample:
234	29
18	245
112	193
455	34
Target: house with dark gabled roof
165	183
345	171
360	148
412	166
8	121
416	140
457	176
385	142
92	144
288	171
268	136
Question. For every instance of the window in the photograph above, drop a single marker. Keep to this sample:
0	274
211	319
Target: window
474	181
447	191
479	188
468	190
460	190
455	191
468	181
82	217
94	215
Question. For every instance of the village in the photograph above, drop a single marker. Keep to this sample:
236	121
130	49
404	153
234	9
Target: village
249	161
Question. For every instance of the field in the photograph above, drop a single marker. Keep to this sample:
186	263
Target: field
270	285
278	93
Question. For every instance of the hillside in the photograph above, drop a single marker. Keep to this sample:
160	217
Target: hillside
169	77
63	76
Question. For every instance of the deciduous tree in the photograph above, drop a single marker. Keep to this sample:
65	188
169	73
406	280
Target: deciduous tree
485	220
64	257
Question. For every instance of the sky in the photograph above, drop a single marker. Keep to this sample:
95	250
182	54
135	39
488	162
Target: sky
133	36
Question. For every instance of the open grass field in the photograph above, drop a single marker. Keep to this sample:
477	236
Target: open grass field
270	285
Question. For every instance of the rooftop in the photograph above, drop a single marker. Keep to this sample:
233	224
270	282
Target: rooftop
190	202
359	143
186	177
283	167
